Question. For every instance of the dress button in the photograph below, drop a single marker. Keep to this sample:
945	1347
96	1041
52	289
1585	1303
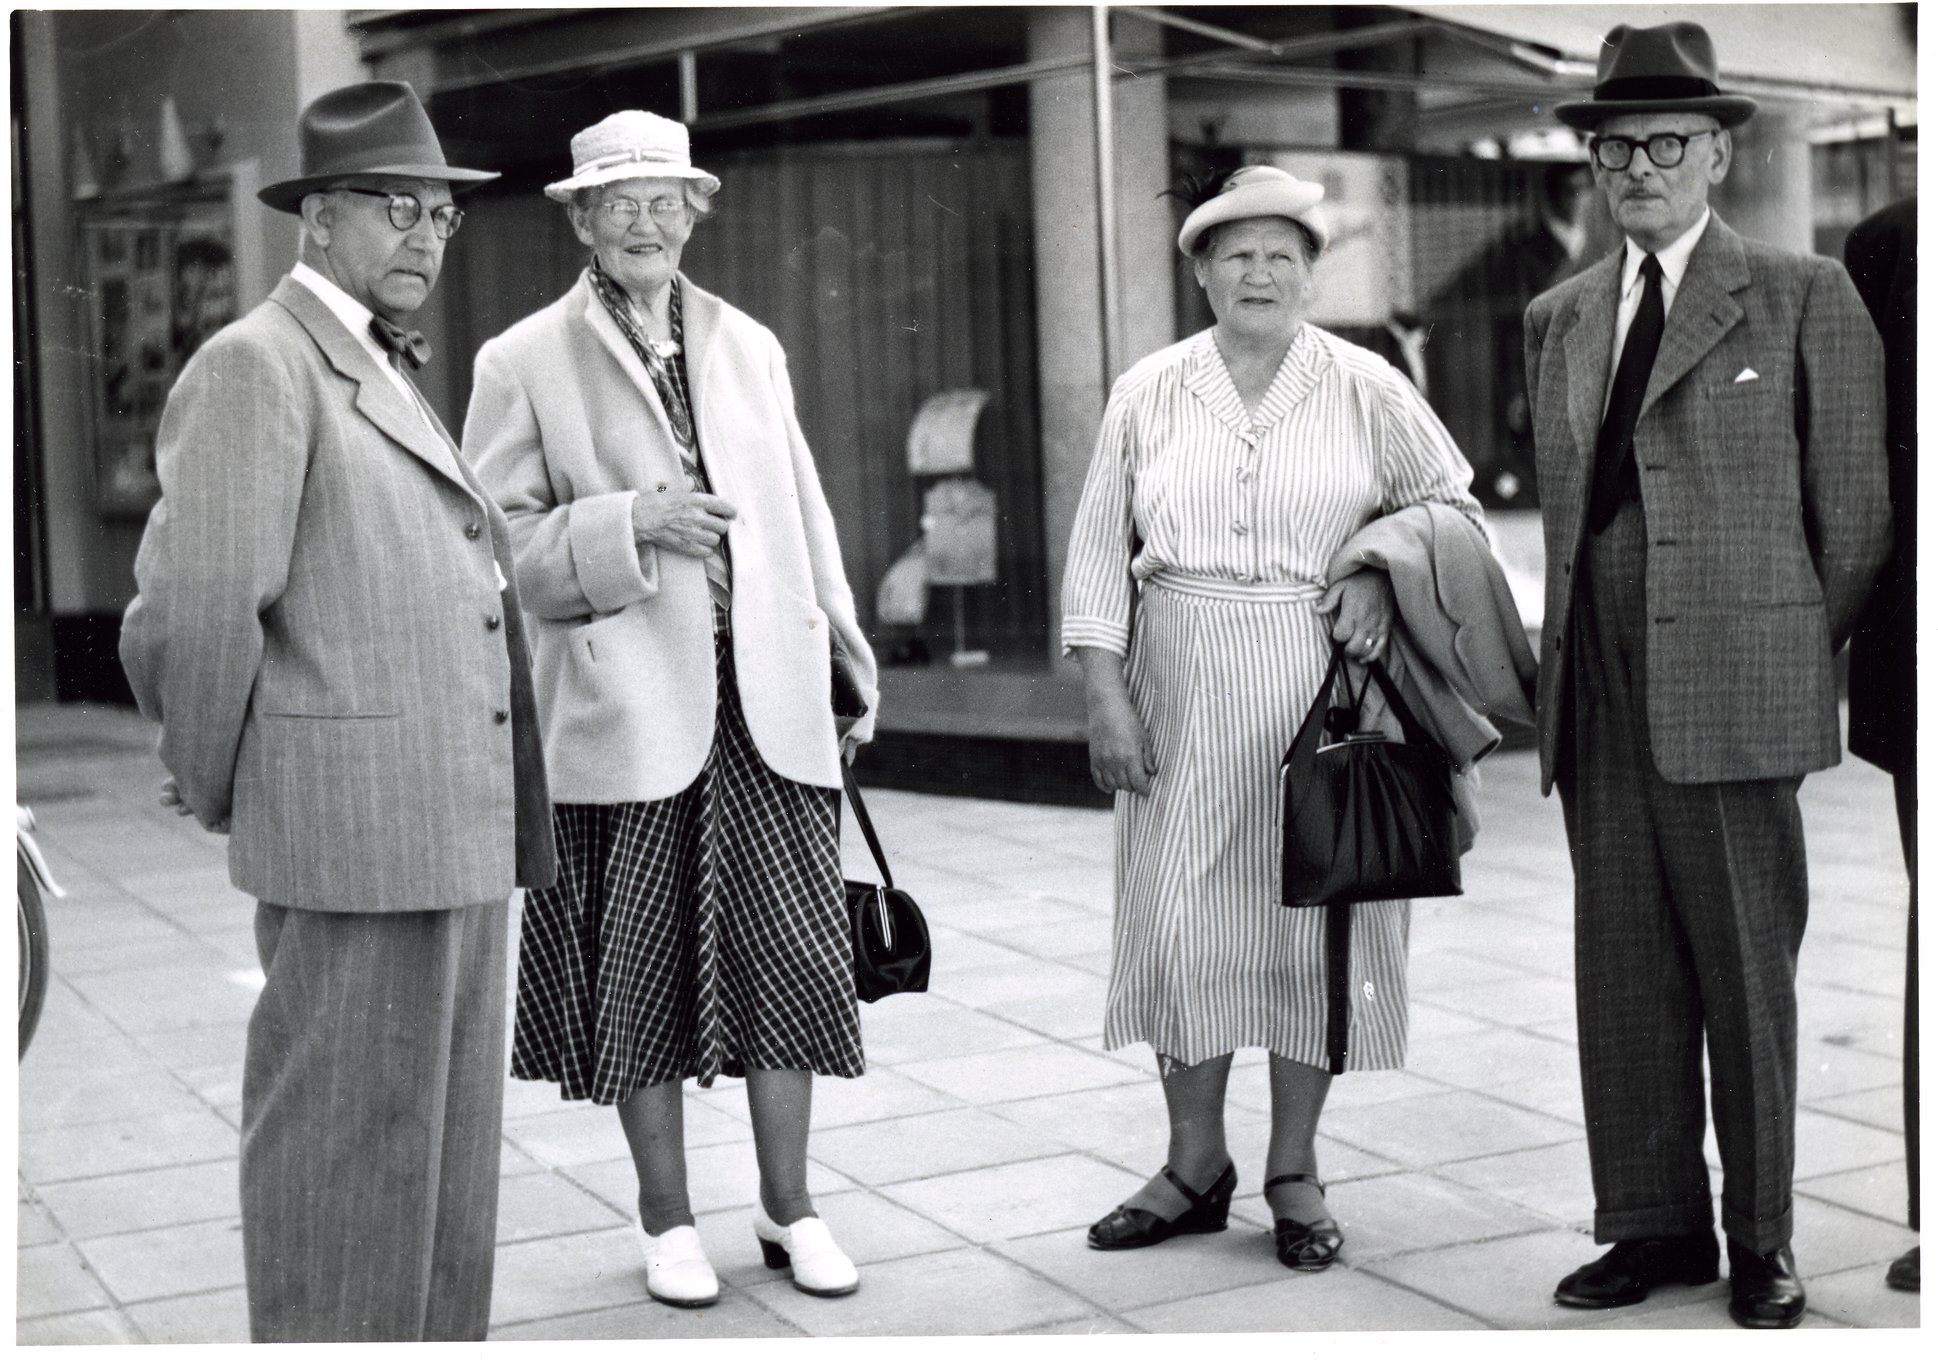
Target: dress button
501	716
473	530
491	623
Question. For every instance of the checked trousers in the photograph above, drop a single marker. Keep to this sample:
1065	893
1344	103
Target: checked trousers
1690	903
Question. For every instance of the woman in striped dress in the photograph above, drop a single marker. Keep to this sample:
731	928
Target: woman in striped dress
1229	468
673	541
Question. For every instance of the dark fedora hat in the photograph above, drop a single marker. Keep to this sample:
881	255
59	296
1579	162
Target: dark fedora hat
1670	68
373	128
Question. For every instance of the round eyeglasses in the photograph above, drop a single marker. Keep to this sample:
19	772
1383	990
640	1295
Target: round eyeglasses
405	210
1665	149
623	212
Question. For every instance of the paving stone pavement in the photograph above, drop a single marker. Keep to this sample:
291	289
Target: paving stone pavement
991	1126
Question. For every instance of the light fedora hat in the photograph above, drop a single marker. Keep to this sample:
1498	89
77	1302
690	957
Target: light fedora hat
376	127
629	145
1258	191
1670	68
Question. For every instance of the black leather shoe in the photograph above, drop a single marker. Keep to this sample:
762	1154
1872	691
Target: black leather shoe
1902	1274
1129	1227
1627	1272
1764	1290
1306	1247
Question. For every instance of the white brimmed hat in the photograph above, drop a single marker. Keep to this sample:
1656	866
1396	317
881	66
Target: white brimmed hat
629	145
1258	191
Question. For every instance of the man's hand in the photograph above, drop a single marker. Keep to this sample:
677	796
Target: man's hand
1364	601
171	797
681	521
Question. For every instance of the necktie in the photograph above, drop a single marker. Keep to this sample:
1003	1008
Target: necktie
409	346
1615	476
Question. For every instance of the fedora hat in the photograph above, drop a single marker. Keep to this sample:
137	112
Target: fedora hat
1258	191
1670	68
373	128
628	145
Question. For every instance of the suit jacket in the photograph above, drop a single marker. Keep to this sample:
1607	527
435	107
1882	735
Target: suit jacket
320	631
566	428
1882	256
1765	499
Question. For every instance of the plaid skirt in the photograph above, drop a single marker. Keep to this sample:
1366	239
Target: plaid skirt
691	936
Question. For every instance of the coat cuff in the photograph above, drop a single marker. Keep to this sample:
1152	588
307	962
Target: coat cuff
605	556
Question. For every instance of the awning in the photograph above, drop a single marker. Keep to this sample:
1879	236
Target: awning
1855	54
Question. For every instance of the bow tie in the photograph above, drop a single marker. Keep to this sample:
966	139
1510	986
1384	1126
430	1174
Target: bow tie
409	346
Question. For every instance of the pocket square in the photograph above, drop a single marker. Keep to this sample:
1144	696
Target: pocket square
1746	376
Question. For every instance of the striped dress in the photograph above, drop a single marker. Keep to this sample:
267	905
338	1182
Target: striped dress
1199	554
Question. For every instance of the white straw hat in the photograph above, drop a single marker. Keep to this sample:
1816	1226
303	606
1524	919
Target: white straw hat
1258	191
628	145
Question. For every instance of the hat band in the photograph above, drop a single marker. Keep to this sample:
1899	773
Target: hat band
638	155
1636	88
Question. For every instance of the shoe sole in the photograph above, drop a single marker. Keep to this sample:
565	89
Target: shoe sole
1158	1242
1751	1321
1587	1302
672	1303
834	1294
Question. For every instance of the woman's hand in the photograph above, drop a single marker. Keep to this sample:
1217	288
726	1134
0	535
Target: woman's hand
1120	748
1364	601
681	521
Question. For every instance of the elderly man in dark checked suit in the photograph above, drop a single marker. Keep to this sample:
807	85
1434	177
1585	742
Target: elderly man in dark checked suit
327	633
1708	417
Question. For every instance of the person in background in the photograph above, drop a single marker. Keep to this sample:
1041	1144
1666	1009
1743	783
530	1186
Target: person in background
1708	419
1881	254
1230	469
326	632
673	541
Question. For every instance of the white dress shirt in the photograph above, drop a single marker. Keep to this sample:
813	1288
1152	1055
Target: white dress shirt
1674	259
356	318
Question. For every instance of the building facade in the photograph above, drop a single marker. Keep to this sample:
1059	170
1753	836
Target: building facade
921	202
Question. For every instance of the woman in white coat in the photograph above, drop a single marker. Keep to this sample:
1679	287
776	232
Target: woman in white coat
675	546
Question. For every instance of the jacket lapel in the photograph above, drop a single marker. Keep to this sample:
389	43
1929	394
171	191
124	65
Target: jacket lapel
377	397
610	336
1704	311
1590	348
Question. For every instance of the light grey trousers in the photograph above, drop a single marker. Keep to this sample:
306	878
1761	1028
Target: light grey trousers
372	1104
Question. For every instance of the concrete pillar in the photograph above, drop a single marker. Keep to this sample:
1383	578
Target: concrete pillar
1767	194
1070	353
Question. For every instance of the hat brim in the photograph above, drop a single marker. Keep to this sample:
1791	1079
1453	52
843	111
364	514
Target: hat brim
286	196
1587	114
562	190
1272	199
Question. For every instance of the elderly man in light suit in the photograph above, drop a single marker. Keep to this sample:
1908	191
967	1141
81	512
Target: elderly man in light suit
1708	416
326	632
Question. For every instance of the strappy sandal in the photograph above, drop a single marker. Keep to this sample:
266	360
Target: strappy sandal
1306	1247
1131	1227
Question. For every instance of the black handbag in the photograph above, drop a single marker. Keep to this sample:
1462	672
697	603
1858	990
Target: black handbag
891	940
1365	817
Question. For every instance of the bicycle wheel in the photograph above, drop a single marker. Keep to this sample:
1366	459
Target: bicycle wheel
33	953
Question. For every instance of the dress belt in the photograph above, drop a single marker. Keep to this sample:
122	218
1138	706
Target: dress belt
1223	588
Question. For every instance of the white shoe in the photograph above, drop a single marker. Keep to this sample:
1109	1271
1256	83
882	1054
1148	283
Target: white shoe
677	1269
820	1267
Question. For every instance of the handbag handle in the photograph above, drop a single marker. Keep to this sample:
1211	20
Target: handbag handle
1411	729
867	826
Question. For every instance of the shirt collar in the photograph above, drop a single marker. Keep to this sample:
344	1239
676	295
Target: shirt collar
1674	257
353	314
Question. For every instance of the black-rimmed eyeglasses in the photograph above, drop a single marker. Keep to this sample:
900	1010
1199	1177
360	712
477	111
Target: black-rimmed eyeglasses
405	210
1665	149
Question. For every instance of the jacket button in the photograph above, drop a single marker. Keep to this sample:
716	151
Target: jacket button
473	530
491	623
501	716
